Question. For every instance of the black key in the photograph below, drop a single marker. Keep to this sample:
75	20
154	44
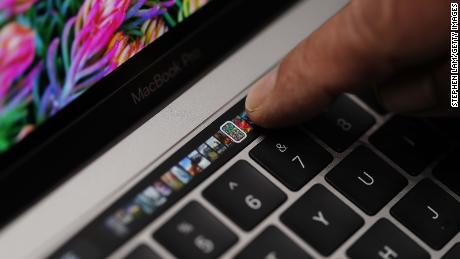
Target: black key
322	220
366	180
195	233
272	243
454	252
368	95
342	124
431	213
448	173
291	157
244	195
142	252
410	143
449	126
385	241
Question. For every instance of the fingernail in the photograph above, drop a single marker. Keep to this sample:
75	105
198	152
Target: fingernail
408	96
260	91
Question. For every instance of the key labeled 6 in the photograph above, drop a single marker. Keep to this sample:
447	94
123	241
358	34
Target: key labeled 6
253	202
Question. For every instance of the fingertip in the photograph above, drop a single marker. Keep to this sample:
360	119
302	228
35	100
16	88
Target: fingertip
271	116
263	118
258	95
260	91
257	116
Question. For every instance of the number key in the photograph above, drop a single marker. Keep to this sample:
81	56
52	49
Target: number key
195	233
244	195
342	124
291	157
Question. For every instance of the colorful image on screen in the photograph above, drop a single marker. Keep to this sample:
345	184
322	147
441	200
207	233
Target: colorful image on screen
52	51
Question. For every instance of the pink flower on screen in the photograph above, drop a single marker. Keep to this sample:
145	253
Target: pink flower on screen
97	21
95	25
152	30
17	52
195	5
123	48
13	7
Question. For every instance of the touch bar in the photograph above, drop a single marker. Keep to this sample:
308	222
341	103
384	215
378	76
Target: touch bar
174	178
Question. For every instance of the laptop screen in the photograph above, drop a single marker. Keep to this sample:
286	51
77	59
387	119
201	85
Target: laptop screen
53	51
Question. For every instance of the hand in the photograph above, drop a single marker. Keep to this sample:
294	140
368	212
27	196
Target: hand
400	47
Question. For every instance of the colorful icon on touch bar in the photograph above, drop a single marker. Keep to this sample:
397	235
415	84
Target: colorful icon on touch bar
230	129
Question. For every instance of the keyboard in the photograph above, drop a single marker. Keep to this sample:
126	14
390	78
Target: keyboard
354	182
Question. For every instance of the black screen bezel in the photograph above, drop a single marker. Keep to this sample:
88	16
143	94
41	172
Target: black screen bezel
36	165
97	94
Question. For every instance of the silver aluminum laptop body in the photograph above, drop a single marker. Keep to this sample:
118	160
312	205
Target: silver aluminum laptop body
48	224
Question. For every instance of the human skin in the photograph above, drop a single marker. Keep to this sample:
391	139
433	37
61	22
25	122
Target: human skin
399	47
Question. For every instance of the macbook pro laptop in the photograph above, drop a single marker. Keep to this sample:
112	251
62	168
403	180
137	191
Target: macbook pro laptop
123	134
